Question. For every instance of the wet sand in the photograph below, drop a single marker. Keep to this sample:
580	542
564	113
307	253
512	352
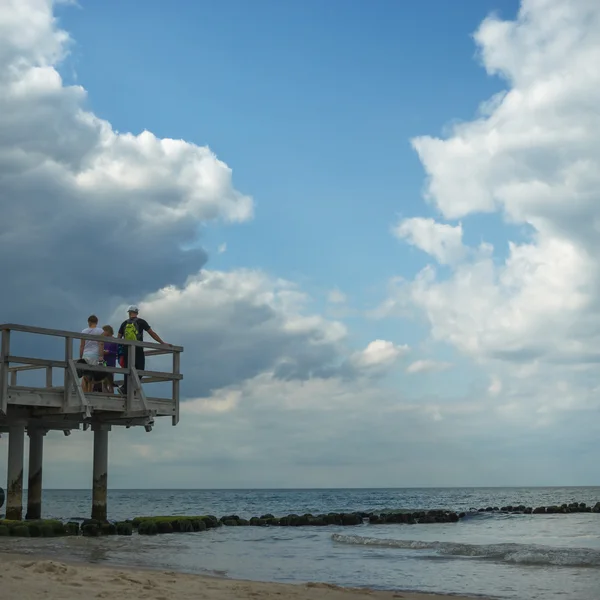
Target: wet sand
26	578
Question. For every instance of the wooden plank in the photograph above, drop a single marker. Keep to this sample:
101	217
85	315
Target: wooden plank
29	398
4	353
138	385
68	382
35	362
160	375
99	369
25	368
48	377
130	388
175	394
85	407
157	352
84	336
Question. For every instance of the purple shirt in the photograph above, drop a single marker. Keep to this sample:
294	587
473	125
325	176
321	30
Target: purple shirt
110	354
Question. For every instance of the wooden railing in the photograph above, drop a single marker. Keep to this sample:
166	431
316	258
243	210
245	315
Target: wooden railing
136	378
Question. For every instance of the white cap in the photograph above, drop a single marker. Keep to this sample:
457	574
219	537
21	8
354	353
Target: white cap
133	308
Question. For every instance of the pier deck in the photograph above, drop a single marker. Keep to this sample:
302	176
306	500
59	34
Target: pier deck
61	404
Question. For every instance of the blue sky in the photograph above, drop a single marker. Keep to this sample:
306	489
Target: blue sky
330	115
313	105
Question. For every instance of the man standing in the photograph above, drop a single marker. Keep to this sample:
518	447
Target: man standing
91	352
133	329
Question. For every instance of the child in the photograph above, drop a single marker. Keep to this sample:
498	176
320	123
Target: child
110	359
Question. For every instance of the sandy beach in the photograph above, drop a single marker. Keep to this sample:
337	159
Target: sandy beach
25	578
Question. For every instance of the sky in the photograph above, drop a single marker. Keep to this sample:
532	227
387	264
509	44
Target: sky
373	226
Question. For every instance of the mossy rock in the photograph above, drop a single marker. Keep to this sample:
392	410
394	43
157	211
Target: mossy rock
35	529
230	522
267	516
148	528
199	525
19	531
59	528
183	525
351	519
211	522
91	530
333	519
4	531
274	522
48	530
108	529
72	528
243	522
124	528
164	527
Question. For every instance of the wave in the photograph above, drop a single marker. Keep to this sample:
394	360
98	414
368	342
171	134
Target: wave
508	553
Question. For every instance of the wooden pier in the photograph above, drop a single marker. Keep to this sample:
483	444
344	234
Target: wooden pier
60	404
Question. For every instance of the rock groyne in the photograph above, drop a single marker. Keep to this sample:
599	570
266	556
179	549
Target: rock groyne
154	525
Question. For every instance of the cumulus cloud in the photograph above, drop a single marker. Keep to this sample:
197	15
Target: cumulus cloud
442	241
379	354
427	366
533	156
238	324
81	203
335	296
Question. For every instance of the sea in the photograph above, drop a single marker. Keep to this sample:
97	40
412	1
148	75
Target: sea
516	557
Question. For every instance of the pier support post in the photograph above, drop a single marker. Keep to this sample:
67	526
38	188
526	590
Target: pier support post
14	486
36	459
100	481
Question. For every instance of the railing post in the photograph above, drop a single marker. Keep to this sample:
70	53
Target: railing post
128	377
13	378
68	380
4	354
48	377
176	369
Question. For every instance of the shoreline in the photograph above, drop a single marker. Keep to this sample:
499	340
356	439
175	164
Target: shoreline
29	576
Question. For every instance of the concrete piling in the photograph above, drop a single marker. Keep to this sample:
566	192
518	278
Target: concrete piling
36	459
100	478
14	487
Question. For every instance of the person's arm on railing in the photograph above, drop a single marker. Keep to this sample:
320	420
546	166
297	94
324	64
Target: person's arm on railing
156	337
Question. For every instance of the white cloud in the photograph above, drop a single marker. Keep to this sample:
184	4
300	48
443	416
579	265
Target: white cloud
75	192
495	386
533	155
335	296
222	248
427	366
442	241
378	354
235	325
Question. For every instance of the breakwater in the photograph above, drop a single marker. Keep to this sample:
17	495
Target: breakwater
154	525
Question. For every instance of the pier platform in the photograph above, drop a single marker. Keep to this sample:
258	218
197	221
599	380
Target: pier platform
56	401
